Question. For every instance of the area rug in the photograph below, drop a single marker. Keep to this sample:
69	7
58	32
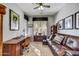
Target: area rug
37	49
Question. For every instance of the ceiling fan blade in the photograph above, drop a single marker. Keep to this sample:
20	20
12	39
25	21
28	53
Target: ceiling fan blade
36	3
47	6
37	7
39	3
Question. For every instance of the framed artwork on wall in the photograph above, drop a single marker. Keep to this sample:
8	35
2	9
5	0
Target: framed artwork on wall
60	24
68	22
14	21
77	20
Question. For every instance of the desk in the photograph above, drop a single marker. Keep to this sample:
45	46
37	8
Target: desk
13	47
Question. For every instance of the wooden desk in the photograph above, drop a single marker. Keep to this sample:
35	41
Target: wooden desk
13	47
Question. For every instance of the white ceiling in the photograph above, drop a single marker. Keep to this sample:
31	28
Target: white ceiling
28	8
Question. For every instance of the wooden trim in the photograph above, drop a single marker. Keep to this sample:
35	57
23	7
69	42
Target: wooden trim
2	26
2	9
2	6
1	33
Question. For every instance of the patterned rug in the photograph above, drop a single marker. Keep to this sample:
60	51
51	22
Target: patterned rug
37	49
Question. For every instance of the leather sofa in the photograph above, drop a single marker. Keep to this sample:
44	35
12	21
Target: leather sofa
64	45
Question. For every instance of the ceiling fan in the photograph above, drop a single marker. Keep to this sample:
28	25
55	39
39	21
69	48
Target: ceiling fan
41	6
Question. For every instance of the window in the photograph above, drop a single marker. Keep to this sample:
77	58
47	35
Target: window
40	27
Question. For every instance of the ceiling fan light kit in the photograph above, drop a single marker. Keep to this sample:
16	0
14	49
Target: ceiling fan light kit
41	8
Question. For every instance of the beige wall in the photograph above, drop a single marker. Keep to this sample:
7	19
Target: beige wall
7	34
50	22
67	10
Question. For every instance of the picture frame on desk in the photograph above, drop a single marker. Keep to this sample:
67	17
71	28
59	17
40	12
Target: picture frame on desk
68	22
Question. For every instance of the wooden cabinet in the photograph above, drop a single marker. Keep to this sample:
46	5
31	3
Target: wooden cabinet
13	47
2	12
11	50
39	38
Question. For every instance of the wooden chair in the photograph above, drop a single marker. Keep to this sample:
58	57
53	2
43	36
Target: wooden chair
26	43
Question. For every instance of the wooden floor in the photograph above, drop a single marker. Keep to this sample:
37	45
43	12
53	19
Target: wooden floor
38	49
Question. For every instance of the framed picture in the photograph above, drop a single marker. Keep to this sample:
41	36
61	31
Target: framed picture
60	24
77	20
69	22
14	21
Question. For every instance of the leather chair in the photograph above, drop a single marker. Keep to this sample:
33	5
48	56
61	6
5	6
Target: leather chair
64	45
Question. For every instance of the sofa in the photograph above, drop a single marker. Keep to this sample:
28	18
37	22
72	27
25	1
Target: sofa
64	45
